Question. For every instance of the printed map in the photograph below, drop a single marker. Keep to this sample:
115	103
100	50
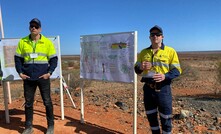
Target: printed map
108	57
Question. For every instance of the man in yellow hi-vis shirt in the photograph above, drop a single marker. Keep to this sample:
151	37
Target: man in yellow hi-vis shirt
158	64
35	61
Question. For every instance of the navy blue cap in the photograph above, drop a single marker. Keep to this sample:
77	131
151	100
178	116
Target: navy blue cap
156	27
35	20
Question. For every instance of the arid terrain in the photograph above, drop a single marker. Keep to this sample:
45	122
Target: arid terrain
108	106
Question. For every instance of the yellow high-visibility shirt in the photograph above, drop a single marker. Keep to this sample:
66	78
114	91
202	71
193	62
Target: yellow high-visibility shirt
162	61
44	50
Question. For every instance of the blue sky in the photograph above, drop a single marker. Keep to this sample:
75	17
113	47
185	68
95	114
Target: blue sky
189	25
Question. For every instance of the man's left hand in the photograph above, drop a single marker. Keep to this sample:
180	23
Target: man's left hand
159	77
45	76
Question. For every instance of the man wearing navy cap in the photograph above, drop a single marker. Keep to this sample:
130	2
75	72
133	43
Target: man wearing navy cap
36	21
35	61
158	65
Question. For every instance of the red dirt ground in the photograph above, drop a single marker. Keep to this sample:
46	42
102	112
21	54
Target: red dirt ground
98	120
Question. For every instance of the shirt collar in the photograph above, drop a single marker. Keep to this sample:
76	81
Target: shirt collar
162	46
31	39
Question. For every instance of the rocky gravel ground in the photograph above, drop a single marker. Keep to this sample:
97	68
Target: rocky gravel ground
190	111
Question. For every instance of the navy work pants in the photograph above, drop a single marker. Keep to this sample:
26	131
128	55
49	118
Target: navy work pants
158	101
29	94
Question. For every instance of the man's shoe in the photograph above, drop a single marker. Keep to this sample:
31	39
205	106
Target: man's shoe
28	130
50	130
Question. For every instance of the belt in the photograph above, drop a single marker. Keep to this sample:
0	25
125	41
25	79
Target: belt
154	86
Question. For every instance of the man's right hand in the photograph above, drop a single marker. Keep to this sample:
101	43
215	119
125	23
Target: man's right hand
23	76
146	65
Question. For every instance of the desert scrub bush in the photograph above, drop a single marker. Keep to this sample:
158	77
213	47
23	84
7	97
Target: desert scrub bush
16	90
75	80
188	73
70	63
77	65
219	73
64	64
74	64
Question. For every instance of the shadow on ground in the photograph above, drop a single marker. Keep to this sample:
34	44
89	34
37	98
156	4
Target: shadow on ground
17	125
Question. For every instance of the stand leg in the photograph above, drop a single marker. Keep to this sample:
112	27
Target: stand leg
70	97
6	102
82	103
66	88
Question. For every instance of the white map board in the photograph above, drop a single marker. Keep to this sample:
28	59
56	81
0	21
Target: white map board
108	57
7	51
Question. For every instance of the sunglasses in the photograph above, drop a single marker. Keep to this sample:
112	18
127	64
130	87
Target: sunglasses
36	27
155	34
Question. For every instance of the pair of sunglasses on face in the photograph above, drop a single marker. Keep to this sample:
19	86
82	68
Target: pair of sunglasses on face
155	34
34	26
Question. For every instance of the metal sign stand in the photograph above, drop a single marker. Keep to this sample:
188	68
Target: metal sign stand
66	88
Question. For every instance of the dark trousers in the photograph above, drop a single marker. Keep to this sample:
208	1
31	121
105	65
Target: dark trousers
29	94
158	102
